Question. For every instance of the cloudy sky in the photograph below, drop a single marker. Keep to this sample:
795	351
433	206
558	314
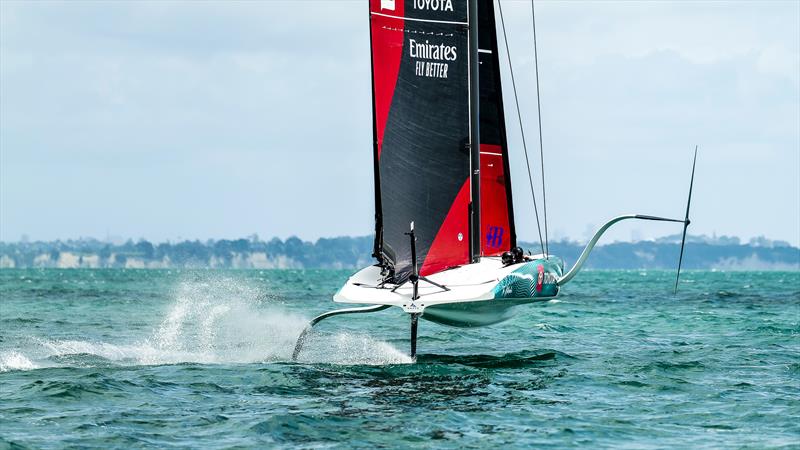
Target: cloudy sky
221	119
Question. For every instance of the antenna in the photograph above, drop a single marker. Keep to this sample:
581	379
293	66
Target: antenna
686	222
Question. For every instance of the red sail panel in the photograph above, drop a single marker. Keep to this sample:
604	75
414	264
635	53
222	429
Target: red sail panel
420	70
451	243
387	50
495	221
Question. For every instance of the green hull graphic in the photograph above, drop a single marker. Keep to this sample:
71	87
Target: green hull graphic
529	282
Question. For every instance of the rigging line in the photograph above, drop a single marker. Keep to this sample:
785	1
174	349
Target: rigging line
521	129
539	115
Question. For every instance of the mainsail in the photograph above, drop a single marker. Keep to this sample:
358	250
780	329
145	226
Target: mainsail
421	113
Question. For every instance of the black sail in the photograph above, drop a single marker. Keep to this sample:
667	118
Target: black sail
420	69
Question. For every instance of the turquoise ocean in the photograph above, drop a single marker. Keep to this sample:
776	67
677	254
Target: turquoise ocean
168	358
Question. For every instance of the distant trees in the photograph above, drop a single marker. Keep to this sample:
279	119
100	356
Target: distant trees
145	249
350	252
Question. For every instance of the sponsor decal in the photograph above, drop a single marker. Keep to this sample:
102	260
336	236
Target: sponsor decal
460	237
431	51
494	238
540	278
433	5
426	50
388	4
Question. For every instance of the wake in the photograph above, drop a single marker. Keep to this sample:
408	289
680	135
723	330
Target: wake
212	321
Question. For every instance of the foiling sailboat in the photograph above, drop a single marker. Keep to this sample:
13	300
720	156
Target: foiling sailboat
445	240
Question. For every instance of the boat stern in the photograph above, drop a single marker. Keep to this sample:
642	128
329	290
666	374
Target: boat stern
531	280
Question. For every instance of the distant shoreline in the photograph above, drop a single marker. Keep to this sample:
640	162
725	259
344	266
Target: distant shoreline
353	252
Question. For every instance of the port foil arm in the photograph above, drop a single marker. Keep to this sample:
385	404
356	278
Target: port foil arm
590	246
304	335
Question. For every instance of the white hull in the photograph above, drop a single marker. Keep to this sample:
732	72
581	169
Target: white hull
477	294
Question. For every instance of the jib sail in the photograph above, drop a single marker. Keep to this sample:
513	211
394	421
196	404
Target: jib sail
497	211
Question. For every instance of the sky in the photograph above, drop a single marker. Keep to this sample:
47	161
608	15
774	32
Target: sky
198	120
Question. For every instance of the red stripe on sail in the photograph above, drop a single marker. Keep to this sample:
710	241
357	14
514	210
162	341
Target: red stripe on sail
387	52
451	246
495	229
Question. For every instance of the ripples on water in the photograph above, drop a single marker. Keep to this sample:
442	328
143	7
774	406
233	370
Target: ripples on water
118	358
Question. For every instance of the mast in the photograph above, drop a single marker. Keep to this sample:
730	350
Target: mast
474	134
378	242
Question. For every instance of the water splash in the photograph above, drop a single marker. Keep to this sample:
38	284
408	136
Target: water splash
215	320
349	348
223	320
14	360
227	321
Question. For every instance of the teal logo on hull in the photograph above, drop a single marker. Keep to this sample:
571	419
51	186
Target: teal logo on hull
533	279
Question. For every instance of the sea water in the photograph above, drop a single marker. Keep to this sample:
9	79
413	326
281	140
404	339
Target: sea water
147	358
